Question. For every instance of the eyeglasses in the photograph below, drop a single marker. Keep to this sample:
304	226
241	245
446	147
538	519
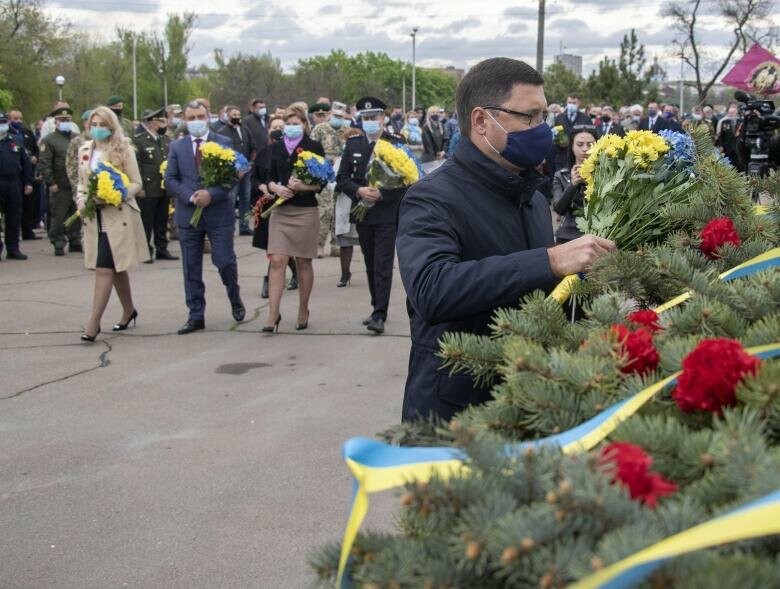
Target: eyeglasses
532	120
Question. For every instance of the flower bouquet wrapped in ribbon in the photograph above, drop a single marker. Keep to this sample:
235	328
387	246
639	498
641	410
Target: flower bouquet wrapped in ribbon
107	186
630	180
391	167
309	168
217	168
560	138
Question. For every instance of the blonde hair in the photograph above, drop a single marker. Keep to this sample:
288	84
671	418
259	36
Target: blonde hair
298	109
117	145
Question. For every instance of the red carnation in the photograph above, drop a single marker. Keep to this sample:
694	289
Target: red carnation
632	469
716	233
638	347
710	374
648	318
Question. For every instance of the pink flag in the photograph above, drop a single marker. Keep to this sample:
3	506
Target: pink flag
757	72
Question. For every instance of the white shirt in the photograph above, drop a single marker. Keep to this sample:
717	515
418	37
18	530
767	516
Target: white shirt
97	157
201	139
651	123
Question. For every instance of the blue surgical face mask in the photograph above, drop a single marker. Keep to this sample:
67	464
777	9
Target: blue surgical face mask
100	133
413	122
64	127
262	111
197	128
525	149
175	121
651	112
3	128
213	120
336	123
293	131
371	127
571	108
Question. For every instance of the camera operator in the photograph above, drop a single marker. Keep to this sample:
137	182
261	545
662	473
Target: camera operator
726	136
757	141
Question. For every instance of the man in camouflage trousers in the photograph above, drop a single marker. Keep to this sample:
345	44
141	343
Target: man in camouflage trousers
327	134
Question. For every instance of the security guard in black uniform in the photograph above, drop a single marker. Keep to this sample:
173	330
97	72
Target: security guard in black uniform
378	228
151	146
16	176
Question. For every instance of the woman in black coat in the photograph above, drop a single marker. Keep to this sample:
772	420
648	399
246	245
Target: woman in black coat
568	185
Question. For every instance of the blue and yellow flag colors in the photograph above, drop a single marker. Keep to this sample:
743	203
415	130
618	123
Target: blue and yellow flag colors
376	466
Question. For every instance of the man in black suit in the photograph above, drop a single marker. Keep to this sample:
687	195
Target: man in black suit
608	123
654	121
670	115
243	144
256	123
570	117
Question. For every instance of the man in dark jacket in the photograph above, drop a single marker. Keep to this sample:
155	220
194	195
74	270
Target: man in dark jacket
570	117
151	150
377	230
256	122
16	178
243	144
476	235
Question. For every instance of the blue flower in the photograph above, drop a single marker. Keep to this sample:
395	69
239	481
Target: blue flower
322	171
241	163
412	157
682	153
116	179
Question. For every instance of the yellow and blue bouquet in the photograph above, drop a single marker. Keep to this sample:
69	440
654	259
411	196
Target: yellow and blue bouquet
560	138
107	186
217	168
309	168
628	181
392	166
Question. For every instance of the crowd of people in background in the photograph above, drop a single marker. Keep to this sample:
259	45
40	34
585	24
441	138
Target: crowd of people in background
43	167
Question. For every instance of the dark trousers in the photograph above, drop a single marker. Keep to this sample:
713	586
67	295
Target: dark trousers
378	245
154	214
11	206
61	206
222	256
31	210
242	192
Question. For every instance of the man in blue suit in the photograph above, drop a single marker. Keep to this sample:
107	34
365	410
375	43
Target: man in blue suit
182	179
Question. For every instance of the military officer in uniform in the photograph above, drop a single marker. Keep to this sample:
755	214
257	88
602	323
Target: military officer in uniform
16	176
53	167
377	230
117	104
176	127
151	150
329	137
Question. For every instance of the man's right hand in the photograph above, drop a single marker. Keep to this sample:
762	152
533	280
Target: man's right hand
578	255
369	194
54	188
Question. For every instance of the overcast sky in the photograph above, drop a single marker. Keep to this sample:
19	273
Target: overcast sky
451	32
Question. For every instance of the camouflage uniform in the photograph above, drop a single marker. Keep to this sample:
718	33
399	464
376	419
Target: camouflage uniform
71	159
332	145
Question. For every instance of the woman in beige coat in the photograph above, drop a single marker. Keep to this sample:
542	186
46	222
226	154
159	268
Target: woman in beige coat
114	240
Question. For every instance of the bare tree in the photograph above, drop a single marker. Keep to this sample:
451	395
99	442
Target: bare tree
744	18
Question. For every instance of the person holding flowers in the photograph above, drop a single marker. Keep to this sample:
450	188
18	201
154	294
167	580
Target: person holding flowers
114	238
376	207
569	185
200	174
298	171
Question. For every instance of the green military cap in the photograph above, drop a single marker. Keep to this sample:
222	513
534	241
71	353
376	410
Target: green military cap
115	99
319	108
63	111
86	114
150	114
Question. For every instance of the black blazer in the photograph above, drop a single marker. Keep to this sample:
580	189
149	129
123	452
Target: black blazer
615	129
660	124
281	168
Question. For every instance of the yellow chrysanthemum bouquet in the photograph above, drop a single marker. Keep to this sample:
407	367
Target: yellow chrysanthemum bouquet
217	168
107	186
391	167
628	180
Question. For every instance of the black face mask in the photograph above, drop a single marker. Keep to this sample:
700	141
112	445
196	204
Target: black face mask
235	122
162	130
117	112
276	135
606	118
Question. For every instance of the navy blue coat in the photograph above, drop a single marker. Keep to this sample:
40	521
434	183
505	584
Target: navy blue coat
182	180
472	237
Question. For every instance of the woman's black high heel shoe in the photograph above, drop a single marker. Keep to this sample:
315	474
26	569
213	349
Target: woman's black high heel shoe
302	326
123	326
90	338
345	278
273	328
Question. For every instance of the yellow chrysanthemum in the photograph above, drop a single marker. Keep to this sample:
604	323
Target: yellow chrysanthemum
211	149
305	155
398	161
106	191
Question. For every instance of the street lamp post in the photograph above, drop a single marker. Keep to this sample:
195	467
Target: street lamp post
60	81
414	67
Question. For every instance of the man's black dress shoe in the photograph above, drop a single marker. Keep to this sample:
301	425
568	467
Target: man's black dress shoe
75	248
16	256
165	255
239	312
376	325
192	325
